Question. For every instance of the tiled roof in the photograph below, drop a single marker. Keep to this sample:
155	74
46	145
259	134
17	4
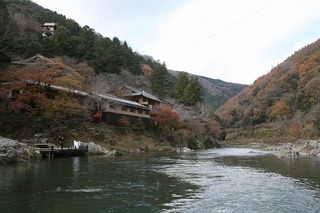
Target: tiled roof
121	101
137	92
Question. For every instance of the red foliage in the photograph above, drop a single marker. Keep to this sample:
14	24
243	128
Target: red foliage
27	103
165	116
97	115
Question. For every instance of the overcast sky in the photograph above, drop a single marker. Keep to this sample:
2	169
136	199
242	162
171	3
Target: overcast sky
232	40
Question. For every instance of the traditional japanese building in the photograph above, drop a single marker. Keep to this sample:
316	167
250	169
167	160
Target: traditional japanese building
48	29
141	97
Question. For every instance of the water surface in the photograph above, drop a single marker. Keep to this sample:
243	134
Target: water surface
217	180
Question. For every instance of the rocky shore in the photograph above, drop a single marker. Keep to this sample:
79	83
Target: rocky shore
298	148
12	151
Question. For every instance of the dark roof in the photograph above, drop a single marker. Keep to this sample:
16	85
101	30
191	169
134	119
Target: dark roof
121	101
136	92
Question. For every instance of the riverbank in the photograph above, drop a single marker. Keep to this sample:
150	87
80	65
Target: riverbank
282	147
13	151
299	148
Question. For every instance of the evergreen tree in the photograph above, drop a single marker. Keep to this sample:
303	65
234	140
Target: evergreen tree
99	62
132	62
192	93
86	41
114	59
161	82
28	44
181	83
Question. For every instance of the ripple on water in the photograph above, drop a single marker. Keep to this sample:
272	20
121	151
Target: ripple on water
237	189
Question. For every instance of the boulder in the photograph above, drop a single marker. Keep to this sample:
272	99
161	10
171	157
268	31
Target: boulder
12	151
95	149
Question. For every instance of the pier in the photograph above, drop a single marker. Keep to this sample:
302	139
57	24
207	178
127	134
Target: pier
54	152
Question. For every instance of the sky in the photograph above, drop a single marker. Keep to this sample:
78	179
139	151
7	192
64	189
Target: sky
232	40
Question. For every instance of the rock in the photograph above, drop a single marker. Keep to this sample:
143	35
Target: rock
12	151
299	148
183	149
95	149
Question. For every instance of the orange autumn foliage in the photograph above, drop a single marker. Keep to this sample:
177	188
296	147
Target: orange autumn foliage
166	117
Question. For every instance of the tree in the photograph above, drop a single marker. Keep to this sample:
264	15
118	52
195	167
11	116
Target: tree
28	44
114	59
181	83
86	41
161	82
131	60
65	40
192	93
165	117
8	29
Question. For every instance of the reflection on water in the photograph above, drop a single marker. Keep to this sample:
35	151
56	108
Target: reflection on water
218	180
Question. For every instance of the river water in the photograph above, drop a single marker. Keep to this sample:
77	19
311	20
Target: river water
216	180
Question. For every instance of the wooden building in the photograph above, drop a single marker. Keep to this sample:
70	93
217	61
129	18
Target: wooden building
121	112
48	29
138	96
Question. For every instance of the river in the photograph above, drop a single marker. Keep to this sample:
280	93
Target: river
216	180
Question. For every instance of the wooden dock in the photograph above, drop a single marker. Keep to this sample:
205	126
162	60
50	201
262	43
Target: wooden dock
54	152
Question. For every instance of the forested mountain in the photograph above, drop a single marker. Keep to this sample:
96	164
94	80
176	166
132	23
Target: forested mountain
216	92
21	37
22	20
285	101
76	59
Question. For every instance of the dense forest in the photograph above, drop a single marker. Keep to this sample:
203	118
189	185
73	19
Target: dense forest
284	102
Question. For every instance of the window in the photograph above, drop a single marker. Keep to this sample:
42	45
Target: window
112	106
124	108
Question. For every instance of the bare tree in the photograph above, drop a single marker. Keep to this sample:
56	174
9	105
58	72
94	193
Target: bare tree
8	30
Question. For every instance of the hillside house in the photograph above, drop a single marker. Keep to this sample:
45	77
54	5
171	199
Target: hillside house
48	29
138	96
129	107
118	112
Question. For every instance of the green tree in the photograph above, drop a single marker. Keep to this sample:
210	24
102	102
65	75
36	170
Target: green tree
51	47
181	83
65	40
99	62
132	62
86	41
192	93
29	44
161	82
114	59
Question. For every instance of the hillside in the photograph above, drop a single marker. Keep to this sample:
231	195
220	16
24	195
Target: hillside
47	80
284	102
23	21
217	92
